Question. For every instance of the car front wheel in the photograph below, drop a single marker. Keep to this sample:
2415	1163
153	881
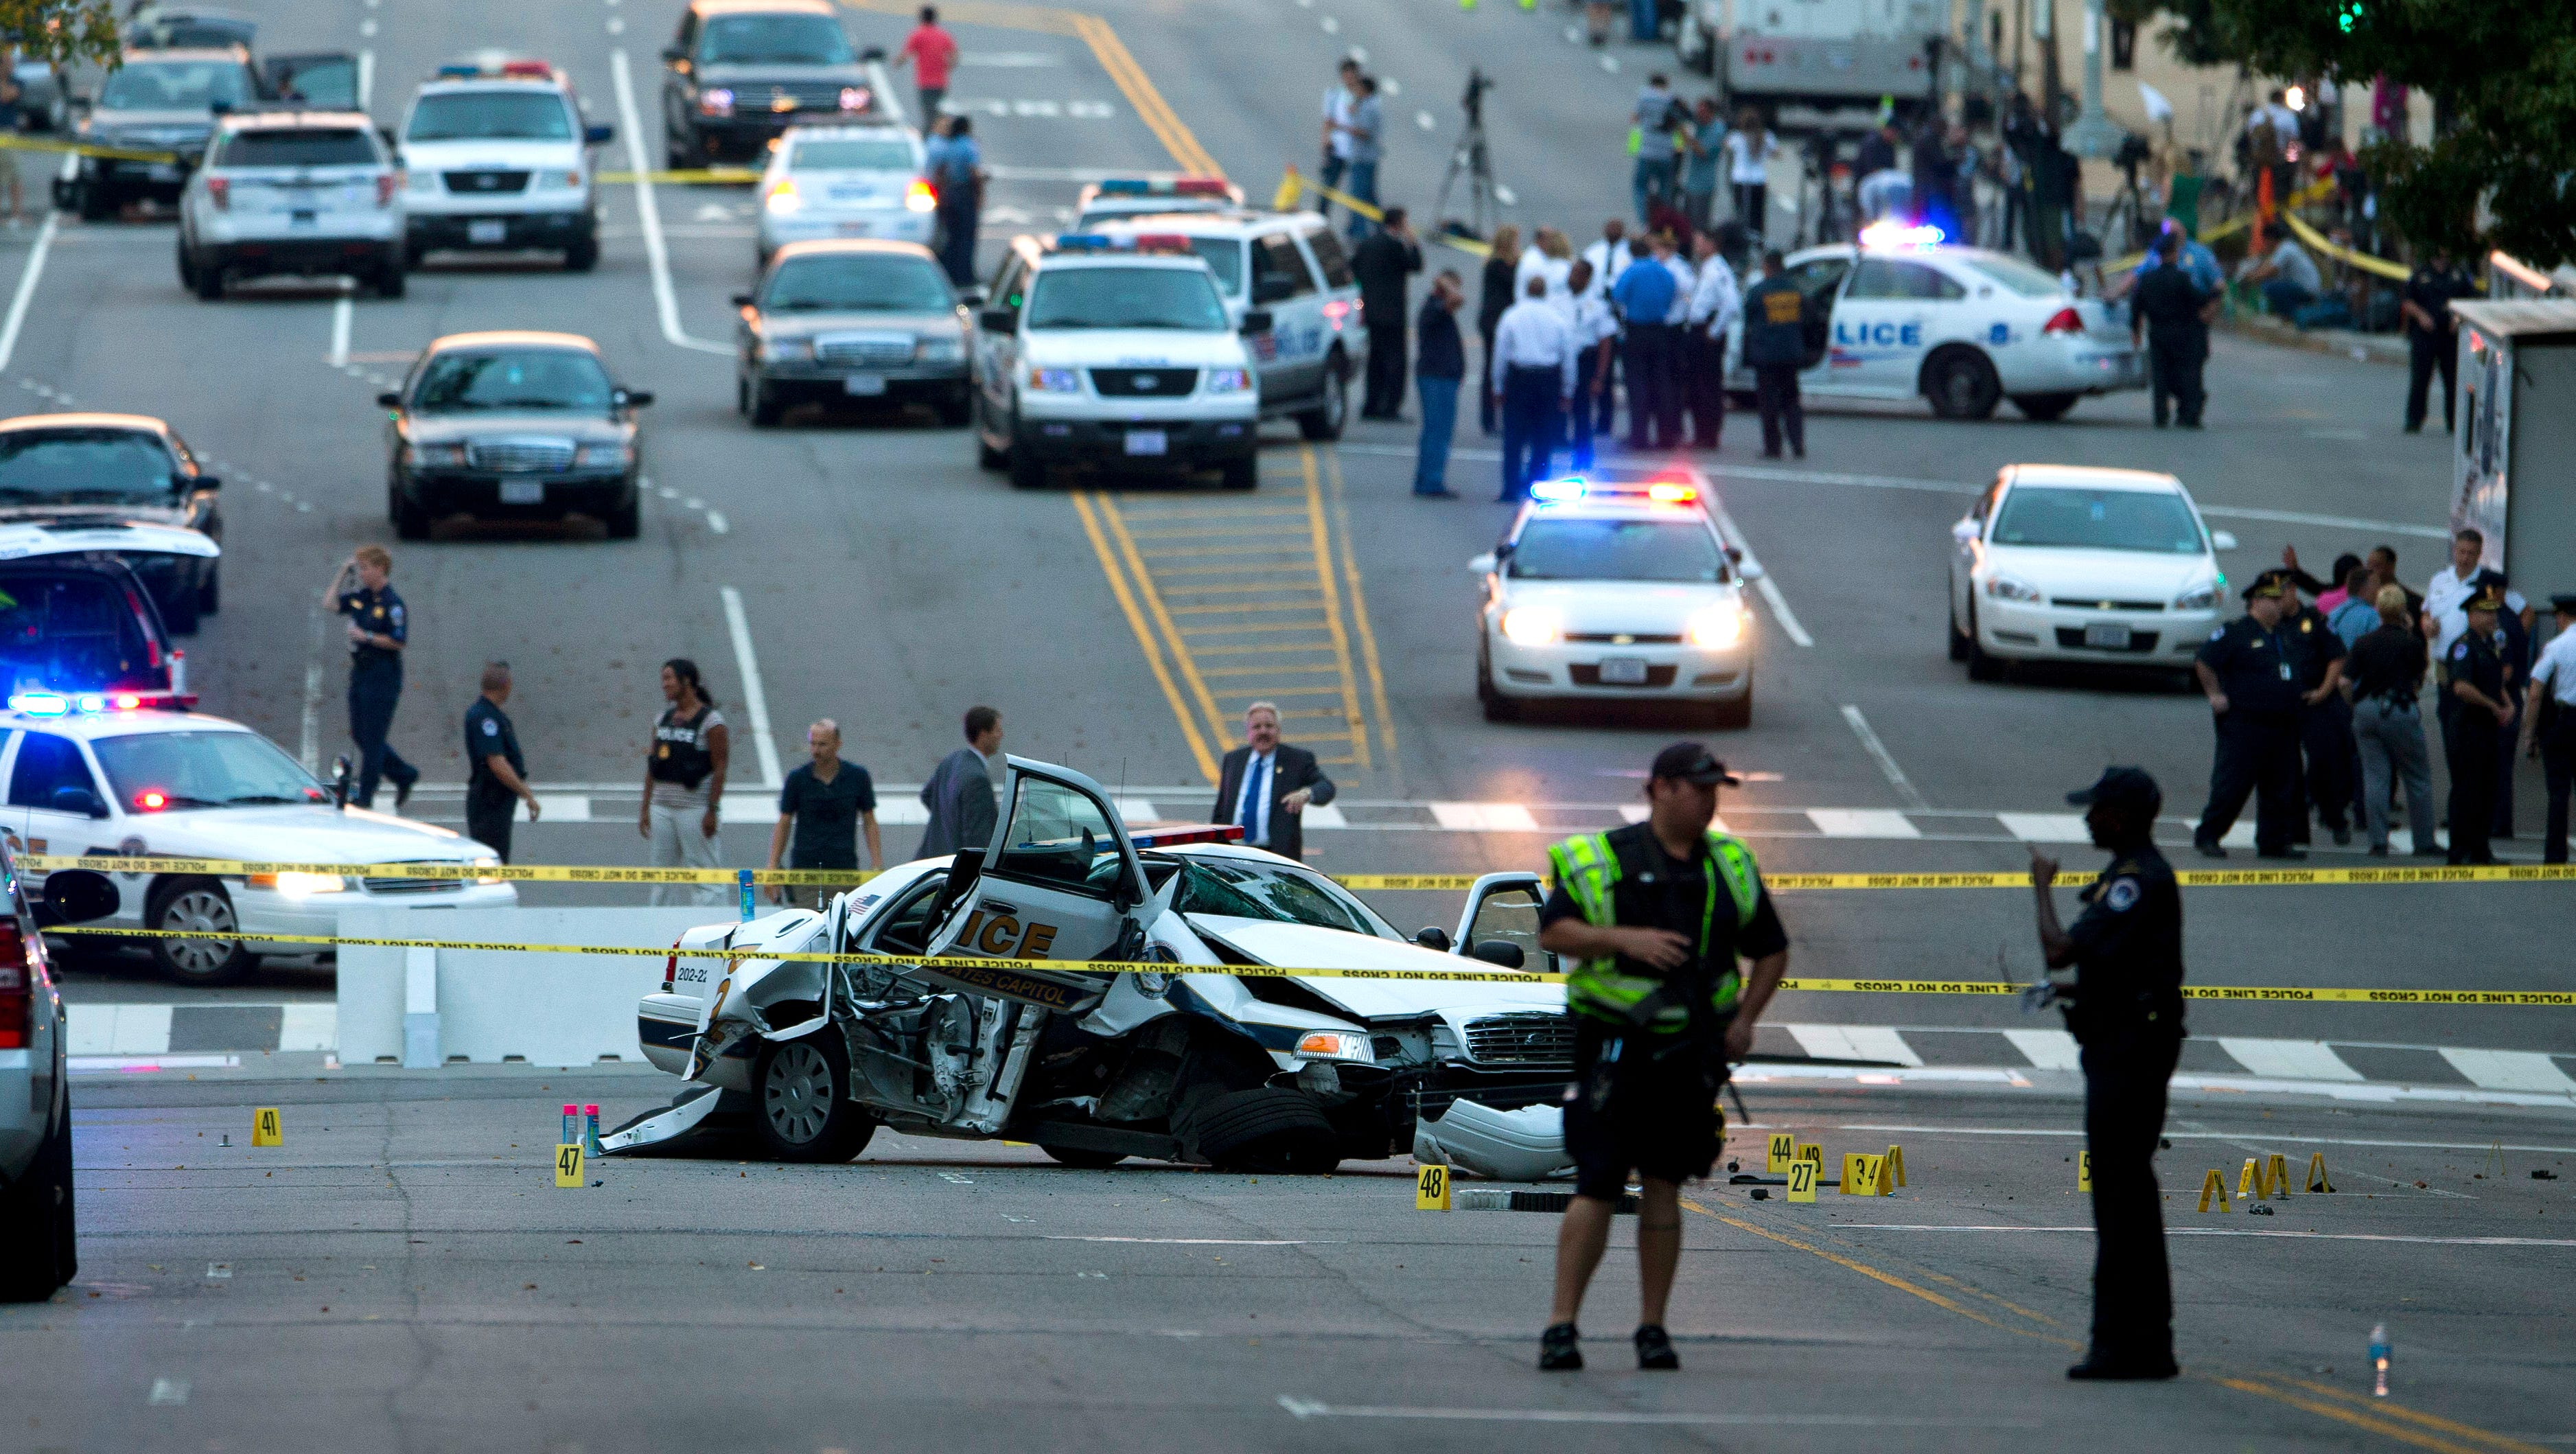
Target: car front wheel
199	909
1962	385
804	1111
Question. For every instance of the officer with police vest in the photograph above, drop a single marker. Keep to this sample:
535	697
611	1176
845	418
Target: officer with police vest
2124	1007
1654	917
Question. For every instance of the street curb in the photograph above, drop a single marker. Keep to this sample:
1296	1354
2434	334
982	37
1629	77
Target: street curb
2359	347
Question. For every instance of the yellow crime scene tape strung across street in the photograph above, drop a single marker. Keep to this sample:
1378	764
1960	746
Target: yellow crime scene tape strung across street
693	177
19	141
2316	191
1291	183
2347	256
998	974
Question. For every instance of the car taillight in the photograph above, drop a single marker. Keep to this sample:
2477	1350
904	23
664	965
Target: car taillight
2064	320
220	189
17	992
671	968
385	183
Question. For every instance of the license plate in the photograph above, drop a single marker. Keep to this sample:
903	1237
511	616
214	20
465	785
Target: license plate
1148	441
1623	671
523	492
487	232
163	172
300	218
863	384
2108	636
852	229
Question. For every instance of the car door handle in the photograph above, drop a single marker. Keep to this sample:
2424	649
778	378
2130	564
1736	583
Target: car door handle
996	906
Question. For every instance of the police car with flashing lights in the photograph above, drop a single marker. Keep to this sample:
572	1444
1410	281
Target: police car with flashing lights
1116	353
499	157
1902	315
1290	266
860	180
1616	586
1115	198
141	774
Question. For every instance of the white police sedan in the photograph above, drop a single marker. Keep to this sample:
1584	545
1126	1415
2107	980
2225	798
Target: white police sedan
1901	315
861	180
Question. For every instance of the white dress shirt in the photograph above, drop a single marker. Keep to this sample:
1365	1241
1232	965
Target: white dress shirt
1254	814
1534	335
1749	157
1607	261
1716	303
1337	110
1593	321
2555	672
1685	283
2443	596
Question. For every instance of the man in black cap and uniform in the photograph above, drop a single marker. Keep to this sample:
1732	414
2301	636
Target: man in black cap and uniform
2475	675
1654	917
2325	790
2249	670
2553	723
2125	1008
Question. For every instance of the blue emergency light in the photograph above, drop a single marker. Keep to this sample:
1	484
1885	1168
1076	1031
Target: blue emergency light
1558	492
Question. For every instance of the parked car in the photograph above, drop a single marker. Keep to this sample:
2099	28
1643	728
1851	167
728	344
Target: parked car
75	616
111	470
857	320
740	72
315	193
515	425
162	101
39	1235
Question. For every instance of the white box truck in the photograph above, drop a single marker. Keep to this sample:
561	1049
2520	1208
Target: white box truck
1815	55
2516	445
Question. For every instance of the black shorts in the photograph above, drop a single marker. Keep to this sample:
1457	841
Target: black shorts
1658	1118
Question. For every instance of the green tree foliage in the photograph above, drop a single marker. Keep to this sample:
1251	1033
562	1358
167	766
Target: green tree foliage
59	30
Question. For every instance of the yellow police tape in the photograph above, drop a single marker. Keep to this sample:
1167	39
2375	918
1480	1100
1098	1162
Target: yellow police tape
1291	183
2347	256
695	176
2316	191
995	973
2204	878
18	141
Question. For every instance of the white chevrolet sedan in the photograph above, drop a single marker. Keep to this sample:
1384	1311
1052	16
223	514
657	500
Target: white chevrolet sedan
2067	563
845	181
1616	586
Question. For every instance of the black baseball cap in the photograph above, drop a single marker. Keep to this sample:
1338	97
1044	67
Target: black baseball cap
2274	582
1689	762
2121	787
2565	604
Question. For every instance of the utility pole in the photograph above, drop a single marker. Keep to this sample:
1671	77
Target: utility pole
2094	133
2043	28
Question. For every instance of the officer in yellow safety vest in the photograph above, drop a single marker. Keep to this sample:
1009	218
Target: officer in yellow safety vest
1654	916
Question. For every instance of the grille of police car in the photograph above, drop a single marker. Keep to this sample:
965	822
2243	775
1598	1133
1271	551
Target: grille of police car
803	96
520	456
2086	603
412	885
486	182
863	348
1144	383
1539	1039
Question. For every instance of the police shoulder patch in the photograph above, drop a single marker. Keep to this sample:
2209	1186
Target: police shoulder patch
491	728
2460	649
2218	635
2122	894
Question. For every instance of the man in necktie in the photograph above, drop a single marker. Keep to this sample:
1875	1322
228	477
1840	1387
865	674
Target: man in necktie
1266	786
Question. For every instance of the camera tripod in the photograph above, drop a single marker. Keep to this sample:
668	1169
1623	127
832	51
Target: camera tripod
1471	160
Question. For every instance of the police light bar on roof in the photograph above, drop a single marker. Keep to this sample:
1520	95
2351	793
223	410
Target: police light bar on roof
1891	233
1574	488
1175	837
39	703
1103	242
1166	187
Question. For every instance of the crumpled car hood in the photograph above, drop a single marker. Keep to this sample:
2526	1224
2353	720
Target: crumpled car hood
1302	946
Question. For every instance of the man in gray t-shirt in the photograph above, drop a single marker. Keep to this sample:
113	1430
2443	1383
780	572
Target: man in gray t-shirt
959	794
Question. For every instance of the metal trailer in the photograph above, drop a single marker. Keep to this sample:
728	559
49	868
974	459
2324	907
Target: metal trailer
2517	439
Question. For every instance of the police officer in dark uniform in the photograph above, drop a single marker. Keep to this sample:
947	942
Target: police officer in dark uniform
2250	673
1775	348
2476	678
2124	1007
1654	916
378	629
2325	720
496	776
2432	335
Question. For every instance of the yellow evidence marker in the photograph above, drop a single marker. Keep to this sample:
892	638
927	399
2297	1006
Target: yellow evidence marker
2084	1172
264	1130
1893	1175
2276	1175
1782	1145
568	1165
2317	1172
2213	1185
1812	1152
1802	1179
1860	1175
1431	1189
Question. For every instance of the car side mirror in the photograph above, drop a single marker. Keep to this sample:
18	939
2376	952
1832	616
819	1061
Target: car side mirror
1483	565
2222	540
1433	937
742	300
389	400
79	800
634	398
204	481
1256	321
598	135
75	896
1749	570
1272	290
998	320
972	295
1964	531
341	772
1501	953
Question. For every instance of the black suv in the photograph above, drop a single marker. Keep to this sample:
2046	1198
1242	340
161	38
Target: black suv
742	71
156	102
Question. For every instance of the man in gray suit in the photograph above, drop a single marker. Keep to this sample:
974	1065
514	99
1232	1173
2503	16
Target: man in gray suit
1267	786
959	794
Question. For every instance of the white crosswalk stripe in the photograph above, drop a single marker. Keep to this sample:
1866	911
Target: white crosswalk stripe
2515	1070
1854	1042
2046	827
1484	817
1862	823
2047	1049
2289	1059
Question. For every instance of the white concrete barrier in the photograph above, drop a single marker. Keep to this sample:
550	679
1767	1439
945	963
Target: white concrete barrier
427	1007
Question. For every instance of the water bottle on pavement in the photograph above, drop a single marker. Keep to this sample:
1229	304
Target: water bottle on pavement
571	1126
2379	1356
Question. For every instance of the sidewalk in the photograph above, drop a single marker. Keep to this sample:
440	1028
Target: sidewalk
2386	348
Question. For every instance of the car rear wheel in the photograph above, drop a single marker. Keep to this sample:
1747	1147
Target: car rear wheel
187	269
199	905
1244	473
765	408
1982	666
1737	713
1326	419
582	256
1266	1128
1958	638
37	1223
390	279
210	282
1961	385
1084	1158
803	1110
2041	408
179	612
410	518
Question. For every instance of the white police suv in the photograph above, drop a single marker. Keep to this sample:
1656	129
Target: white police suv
499	157
1290	266
1116	353
1114	199
1901	315
139	774
1616	586
306	192
845	181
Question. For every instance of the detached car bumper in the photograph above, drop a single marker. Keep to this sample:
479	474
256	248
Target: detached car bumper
2033	631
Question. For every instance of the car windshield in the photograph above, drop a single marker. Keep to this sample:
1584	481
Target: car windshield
1250	889
1617	550
2156	521
71	631
853	154
83	465
536	379
298	147
174	86
1174	298
1225	259
329	85
518	115
2017	275
152	772
785	40
875	283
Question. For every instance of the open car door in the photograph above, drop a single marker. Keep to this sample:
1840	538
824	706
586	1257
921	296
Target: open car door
1061	881
1500	923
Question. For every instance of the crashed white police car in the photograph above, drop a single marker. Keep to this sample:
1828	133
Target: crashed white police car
1157	1052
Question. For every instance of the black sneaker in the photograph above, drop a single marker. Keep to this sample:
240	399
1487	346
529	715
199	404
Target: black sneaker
2106	1367
402	794
2207	847
1560	1348
1655	1348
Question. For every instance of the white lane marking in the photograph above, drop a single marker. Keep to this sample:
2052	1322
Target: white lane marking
1015	59
753	695
717	523
560	808
1360	54
1142	810
1951	487
2047	1049
308	1027
118	1029
219	1269
2423	1241
1770	592
2332	522
344	314
367	27
1332	26
616	25
366	77
1387	86
2513	1070
882	84
27	285
1185	1241
1484	817
168	1391
1326	816
2209	1136
1885	759
1424	120
1854	1042
1862	823
2293	1059
2046	827
1610	64
1310	1409
648	216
